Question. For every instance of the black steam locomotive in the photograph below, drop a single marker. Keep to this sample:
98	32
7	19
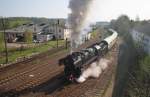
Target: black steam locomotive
76	63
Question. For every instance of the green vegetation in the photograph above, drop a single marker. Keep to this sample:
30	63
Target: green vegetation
16	23
145	65
1	42
29	51
122	25
94	34
13	22
133	71
138	83
28	36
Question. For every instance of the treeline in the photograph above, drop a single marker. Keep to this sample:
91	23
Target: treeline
12	22
124	24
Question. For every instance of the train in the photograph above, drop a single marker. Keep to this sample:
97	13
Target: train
77	62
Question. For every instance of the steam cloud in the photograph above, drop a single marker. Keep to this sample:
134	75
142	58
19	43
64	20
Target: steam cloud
77	19
94	70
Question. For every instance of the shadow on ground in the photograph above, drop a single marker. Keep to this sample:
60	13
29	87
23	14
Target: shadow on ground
55	83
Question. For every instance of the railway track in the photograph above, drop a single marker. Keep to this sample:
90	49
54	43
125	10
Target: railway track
27	76
17	74
32	75
91	88
16	70
34	57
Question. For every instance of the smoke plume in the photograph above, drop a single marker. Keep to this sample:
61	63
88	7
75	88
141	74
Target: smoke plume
94	70
77	19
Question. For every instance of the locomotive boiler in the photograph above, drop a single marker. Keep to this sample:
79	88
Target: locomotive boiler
77	62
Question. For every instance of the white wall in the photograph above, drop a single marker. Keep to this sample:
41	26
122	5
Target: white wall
42	38
142	39
60	32
67	34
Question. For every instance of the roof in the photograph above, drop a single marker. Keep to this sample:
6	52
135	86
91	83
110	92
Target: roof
36	28
47	33
145	28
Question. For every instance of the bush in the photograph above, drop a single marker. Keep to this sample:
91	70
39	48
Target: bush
28	36
145	65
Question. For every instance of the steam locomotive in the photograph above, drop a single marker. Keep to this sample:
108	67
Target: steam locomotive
77	62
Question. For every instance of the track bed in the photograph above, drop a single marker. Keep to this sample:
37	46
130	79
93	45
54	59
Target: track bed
57	87
25	75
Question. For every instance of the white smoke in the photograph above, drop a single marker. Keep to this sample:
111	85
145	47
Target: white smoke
94	70
103	63
77	19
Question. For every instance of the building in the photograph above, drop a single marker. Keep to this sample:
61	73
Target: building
102	24
17	34
58	31
55	29
67	33
44	37
141	35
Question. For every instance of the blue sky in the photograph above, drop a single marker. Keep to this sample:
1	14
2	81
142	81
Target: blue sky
35	8
102	10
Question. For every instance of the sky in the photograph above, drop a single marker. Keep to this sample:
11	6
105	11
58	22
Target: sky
101	10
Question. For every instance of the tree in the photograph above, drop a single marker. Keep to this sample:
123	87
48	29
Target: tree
28	36
16	24
1	24
1	41
5	23
123	25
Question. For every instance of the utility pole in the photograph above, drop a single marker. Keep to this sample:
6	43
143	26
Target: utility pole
5	40
57	31
66	43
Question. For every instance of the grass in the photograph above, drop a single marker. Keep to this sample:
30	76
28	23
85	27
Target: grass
29	51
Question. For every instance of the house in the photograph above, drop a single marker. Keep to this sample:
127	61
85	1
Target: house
17	34
58	31
67	33
141	35
44	37
54	29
